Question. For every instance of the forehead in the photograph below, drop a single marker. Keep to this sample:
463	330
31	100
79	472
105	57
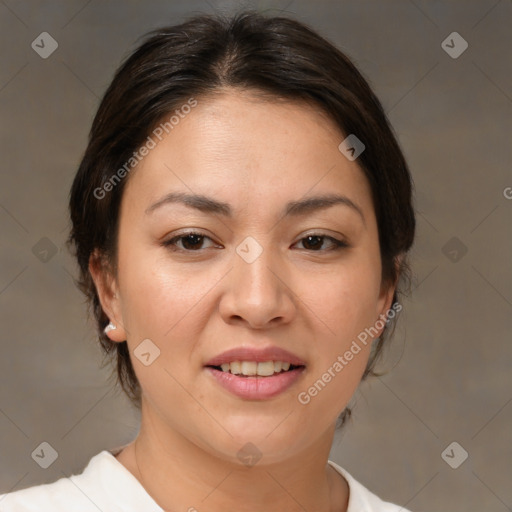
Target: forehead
248	150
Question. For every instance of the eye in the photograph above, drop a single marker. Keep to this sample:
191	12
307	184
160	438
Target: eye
193	242
190	242
315	241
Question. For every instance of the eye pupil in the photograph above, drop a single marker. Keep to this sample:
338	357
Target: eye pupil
196	240
318	238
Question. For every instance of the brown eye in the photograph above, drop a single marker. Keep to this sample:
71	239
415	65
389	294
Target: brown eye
190	242
315	242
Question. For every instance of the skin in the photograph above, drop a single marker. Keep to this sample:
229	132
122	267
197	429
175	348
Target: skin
306	298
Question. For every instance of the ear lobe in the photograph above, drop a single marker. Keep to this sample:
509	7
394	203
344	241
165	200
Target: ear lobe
386	298
106	288
388	289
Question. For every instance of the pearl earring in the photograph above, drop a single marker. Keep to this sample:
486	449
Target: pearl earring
110	327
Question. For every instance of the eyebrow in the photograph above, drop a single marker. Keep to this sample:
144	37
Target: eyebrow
293	208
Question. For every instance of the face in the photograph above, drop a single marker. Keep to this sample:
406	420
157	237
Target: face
263	272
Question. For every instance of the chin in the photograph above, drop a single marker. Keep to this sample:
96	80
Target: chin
267	440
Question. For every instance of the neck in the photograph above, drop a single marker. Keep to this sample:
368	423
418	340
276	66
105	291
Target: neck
179	475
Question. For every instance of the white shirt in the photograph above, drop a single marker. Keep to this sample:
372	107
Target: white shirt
106	485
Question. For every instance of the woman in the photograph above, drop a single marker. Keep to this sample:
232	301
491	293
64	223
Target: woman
241	219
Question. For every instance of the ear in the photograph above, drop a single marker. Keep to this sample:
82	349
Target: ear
107	289
387	292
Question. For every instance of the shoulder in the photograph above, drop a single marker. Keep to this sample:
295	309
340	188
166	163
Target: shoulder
361	499
74	493
105	484
58	496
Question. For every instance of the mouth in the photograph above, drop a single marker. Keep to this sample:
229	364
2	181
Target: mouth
254	373
256	380
256	369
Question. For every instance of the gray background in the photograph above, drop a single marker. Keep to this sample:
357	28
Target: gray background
450	358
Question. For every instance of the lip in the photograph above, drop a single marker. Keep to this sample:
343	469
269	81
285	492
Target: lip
259	355
256	388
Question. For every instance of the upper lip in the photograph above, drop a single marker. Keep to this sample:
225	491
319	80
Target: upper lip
258	355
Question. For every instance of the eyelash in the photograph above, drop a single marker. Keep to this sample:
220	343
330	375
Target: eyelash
171	243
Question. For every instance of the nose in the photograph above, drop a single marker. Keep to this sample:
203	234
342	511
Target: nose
258	292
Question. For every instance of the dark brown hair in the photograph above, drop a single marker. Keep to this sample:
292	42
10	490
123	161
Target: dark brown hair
277	57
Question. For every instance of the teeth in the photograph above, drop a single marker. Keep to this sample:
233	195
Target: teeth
265	369
235	368
251	368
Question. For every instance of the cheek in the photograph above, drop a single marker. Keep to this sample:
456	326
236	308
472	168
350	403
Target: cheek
342	304
159	295
344	300
165	304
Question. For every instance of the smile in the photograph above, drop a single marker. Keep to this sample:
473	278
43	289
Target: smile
253	383
255	373
251	368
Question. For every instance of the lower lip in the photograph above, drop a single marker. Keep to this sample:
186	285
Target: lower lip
256	388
